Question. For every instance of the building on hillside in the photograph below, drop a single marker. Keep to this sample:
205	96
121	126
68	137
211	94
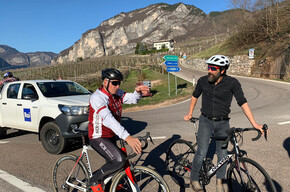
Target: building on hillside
167	44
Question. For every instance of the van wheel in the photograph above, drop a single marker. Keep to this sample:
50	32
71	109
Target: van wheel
51	138
3	131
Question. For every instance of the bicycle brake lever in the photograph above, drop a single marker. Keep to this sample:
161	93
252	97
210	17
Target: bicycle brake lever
151	140
265	128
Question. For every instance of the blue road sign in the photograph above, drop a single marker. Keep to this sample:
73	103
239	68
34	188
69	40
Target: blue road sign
171	63
173	69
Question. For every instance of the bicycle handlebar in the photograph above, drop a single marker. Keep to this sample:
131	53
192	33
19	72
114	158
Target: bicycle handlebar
143	139
234	130
265	128
193	119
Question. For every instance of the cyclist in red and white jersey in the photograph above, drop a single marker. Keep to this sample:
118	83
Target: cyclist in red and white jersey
104	124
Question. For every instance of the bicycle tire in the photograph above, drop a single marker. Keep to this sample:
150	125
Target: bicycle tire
148	180
179	157
254	175
62	169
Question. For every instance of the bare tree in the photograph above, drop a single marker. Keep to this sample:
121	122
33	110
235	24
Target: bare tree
264	22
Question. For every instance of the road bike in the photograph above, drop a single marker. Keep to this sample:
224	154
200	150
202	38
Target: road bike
70	173
243	174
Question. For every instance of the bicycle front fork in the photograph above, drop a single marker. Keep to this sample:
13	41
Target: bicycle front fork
132	180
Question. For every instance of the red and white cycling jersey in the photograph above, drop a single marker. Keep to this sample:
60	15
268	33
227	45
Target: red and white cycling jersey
6	80
105	113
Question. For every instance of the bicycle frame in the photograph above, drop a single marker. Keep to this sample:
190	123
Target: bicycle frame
127	168
131	177
226	159
85	154
211	172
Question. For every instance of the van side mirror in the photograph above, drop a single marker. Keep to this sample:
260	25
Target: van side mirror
31	96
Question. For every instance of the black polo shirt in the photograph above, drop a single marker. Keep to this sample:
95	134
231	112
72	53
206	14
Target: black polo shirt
217	99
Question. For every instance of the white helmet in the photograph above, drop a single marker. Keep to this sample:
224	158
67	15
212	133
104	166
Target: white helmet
219	60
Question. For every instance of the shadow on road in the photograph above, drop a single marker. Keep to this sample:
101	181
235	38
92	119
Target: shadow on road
154	157
277	185
286	145
155	160
132	126
15	133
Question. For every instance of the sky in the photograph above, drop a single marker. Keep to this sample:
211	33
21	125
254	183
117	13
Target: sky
55	25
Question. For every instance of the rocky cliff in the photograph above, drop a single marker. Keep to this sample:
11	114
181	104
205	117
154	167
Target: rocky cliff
16	59
4	64
120	34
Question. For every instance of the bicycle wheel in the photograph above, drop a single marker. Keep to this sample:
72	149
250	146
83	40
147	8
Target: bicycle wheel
78	178
148	180
178	161
254	176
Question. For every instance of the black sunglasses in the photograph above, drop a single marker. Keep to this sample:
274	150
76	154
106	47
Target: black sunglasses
115	83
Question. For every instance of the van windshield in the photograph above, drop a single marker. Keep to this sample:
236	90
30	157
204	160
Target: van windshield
61	88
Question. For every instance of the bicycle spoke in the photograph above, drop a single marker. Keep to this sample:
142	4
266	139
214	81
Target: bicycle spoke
147	181
178	160
65	179
252	177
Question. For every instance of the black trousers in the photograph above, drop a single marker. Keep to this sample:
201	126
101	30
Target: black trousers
114	156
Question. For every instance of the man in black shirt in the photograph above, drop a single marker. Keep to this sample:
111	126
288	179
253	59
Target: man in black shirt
217	91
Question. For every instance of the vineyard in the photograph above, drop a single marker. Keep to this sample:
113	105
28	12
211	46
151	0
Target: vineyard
87	72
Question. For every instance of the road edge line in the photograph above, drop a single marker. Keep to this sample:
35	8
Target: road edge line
26	187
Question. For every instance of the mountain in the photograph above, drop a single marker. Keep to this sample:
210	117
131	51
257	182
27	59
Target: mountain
4	64
16	59
119	35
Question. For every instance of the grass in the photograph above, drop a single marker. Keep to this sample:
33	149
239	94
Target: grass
219	49
215	50
159	87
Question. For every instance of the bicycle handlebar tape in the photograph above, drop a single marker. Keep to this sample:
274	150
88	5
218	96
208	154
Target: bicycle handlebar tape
258	136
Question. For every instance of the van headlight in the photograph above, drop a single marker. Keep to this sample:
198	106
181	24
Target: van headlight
74	110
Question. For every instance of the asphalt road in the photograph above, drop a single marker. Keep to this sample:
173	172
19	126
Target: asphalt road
26	166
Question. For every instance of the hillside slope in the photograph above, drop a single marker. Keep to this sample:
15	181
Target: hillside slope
120	34
16	59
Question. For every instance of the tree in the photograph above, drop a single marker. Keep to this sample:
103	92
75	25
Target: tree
137	48
263	23
79	59
142	49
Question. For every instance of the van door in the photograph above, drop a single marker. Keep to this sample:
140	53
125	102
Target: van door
9	104
27	113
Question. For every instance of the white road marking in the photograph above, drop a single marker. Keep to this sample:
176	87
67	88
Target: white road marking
4	142
162	137
284	123
26	187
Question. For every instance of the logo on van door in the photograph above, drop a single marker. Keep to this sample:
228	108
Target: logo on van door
27	115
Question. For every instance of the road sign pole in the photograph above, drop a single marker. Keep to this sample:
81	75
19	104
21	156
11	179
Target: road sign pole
176	84
171	62
168	84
